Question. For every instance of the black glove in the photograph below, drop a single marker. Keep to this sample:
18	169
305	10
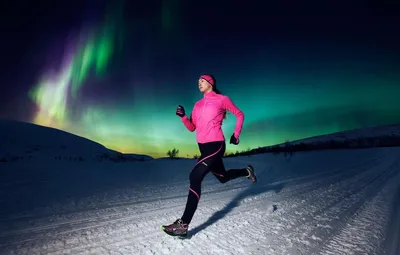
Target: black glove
234	140
180	111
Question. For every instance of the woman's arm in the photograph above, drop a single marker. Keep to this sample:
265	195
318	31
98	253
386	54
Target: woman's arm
189	123
231	107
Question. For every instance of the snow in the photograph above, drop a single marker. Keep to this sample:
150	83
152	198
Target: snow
376	131
21	140
319	202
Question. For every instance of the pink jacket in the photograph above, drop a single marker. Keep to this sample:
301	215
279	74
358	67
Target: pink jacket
207	117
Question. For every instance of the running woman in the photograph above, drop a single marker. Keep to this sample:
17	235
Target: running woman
206	119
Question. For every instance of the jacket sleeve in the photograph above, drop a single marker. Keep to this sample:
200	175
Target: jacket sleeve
190	124
231	107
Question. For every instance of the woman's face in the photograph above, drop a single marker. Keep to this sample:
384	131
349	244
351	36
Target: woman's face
204	86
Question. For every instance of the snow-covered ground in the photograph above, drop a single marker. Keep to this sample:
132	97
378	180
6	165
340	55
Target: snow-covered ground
321	202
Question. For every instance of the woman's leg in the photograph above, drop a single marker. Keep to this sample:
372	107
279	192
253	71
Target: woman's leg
211	158
210	152
218	170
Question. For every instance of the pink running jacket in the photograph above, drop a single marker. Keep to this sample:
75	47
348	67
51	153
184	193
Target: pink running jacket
207	117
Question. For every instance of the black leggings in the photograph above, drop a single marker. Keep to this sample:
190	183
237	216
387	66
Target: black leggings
209	161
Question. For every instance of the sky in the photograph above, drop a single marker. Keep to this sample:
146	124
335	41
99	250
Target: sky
114	71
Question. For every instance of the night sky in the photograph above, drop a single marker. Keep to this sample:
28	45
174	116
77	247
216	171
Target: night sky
115	71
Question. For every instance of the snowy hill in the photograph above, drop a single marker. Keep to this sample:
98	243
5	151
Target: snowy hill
380	136
369	132
319	202
23	141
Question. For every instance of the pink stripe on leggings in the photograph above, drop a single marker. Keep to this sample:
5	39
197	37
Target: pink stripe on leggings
209	155
218	174
198	197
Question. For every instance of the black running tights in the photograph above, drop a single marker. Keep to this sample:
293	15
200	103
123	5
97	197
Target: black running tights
209	161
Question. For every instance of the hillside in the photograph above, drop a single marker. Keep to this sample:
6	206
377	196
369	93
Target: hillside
26	141
371	137
369	132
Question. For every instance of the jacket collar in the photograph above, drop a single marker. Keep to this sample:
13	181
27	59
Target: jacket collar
209	94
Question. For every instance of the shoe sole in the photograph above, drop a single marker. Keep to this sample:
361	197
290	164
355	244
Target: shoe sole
172	234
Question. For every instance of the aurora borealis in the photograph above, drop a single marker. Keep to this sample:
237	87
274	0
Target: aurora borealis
90	51
117	78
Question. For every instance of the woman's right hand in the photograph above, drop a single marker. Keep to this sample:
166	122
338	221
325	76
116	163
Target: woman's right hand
180	111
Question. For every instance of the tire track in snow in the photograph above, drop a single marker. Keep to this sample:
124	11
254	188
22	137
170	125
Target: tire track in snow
317	227
293	226
122	242
98	218
162	214
158	214
161	189
355	236
238	240
391	241
81	213
124	218
254	227
108	208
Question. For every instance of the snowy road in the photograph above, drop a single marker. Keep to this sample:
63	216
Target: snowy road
331	202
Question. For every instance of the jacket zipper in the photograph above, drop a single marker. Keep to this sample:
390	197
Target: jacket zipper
204	105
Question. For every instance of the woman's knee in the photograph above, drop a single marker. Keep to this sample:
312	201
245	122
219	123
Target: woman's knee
195	177
222	179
